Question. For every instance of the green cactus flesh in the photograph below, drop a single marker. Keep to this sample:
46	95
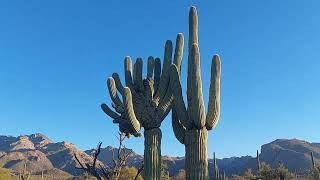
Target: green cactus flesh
145	102
190	124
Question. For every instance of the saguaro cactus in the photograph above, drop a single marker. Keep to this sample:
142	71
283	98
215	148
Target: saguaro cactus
258	163
215	168
145	102
312	161
190	124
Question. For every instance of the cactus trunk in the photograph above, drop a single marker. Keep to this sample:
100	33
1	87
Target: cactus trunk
196	154
152	154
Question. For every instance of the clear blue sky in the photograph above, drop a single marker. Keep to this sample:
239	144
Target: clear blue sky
55	57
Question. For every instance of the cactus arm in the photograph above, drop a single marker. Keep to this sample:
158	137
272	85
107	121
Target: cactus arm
105	108
178	129
124	125
148	83
157	73
193	38
213	113
148	89
128	106
113	92
164	80
197	110
167	57
117	80
178	103
165	104
128	72
119	109
150	67
137	75
193	27
178	53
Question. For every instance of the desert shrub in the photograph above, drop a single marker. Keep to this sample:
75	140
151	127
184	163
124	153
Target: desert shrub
248	174
129	173
266	171
282	172
181	175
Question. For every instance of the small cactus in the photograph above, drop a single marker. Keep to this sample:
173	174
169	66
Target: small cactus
191	124
315	170
215	167
258	163
312	161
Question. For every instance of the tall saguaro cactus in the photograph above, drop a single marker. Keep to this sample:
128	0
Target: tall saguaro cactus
145	102
190	124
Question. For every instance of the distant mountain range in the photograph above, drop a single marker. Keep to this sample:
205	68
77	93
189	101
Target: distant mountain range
42	154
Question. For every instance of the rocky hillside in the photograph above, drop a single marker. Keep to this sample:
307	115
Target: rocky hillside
39	153
294	153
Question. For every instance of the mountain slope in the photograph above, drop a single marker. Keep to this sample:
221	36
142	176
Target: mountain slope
39	153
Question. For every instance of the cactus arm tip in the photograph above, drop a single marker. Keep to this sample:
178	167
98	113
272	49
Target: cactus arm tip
117	80
167	60
128	71
196	108
150	67
137	74
105	108
157	73
178	51
128	106
213	113
113	92
164	80
193	26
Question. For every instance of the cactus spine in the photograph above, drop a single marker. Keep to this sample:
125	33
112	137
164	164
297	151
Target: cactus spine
145	102
190	124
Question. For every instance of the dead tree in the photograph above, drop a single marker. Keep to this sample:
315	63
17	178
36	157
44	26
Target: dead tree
104	172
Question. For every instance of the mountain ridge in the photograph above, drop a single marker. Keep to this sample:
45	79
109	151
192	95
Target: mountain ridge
40	153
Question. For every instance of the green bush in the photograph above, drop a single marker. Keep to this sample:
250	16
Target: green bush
129	173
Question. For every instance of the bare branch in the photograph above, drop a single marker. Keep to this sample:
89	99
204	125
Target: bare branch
139	171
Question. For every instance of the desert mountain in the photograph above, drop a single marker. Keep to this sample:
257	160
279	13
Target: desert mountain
39	153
